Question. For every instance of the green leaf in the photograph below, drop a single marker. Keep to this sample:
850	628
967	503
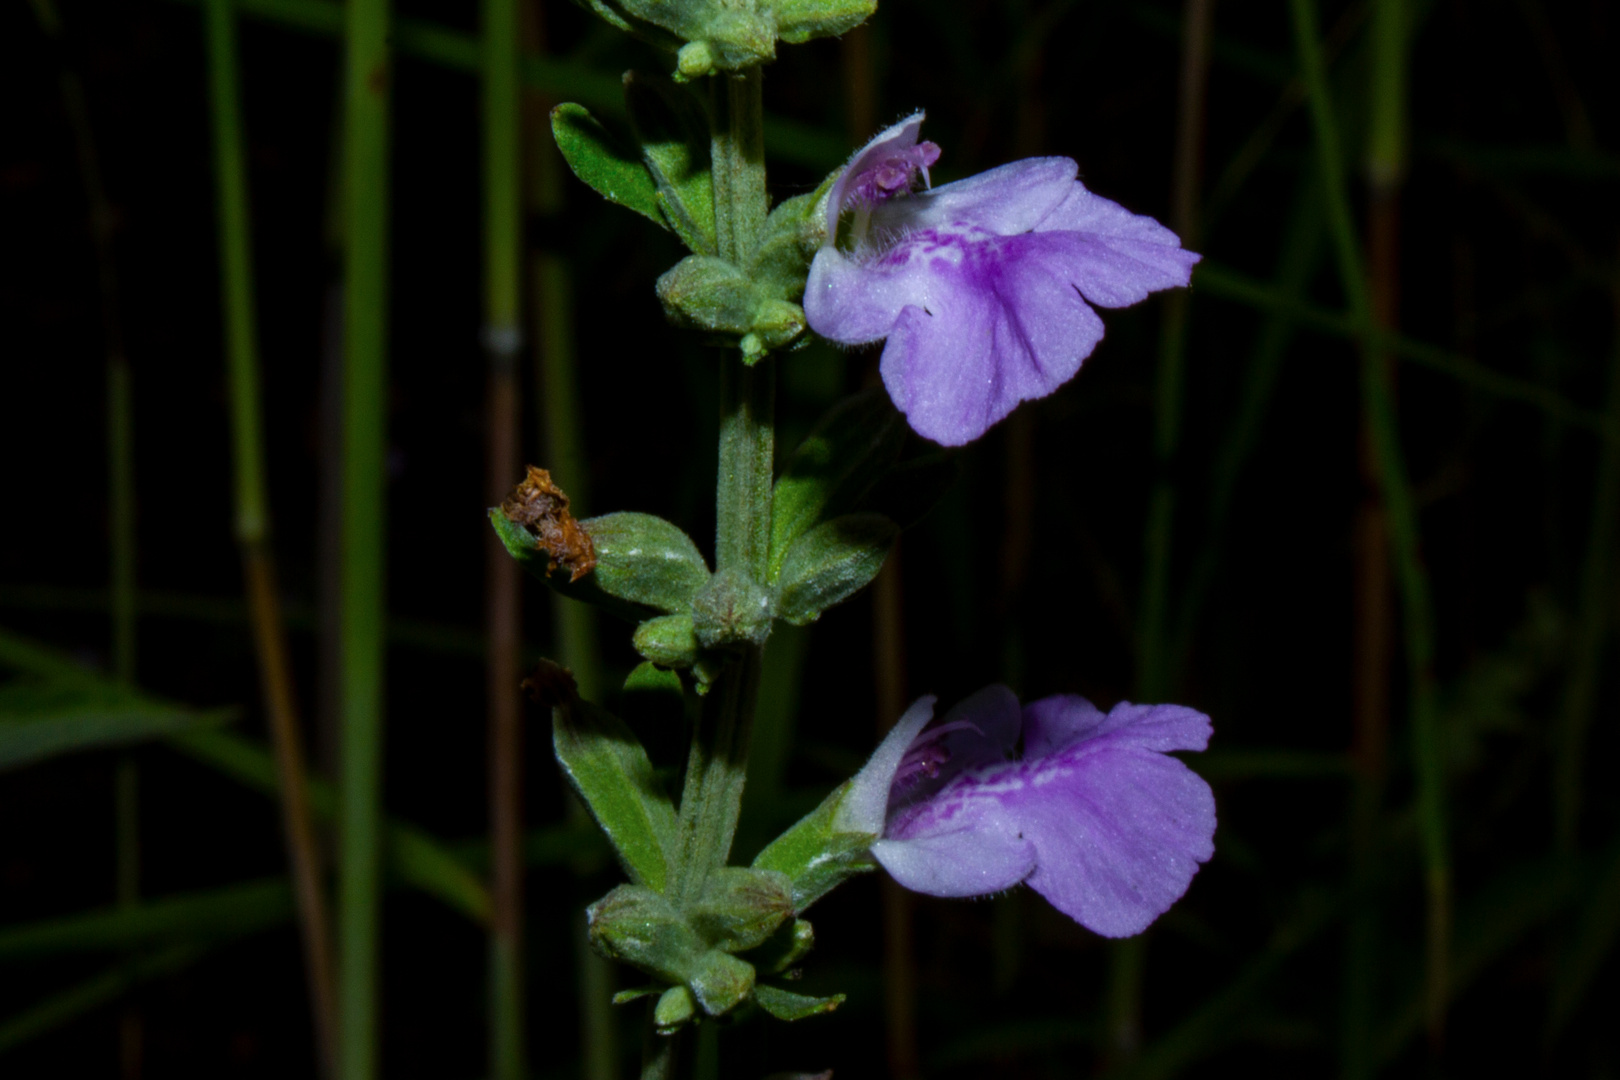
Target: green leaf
674	134
653	695
786	1005
791	943
798	21
625	997
610	770
832	562
646	560
741	908
604	162
793	233
40	719
852	446
816	857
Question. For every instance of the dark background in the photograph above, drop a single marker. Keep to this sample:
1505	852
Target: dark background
1029	572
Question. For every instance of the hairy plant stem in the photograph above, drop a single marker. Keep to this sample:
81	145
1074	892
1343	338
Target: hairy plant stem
717	763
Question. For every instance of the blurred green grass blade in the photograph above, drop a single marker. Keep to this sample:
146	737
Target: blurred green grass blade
109	986
1584	954
42	719
1212	1024
1493	920
1553	160
415	857
231	611
25	655
1229	284
1296	265
237	909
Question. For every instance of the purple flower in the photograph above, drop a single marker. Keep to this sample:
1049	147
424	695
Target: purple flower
981	286
1095	815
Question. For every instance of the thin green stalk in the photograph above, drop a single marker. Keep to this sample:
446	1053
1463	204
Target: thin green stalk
1216	280
503	255
366	141
1296	263
1411	578
252	518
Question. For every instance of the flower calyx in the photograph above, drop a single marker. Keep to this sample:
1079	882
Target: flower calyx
693	947
711	36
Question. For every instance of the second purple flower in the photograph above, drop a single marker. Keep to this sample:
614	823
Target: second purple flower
980	286
1095	815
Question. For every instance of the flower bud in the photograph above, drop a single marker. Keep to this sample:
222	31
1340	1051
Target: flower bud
732	609
674	1009
668	641
702	292
740	908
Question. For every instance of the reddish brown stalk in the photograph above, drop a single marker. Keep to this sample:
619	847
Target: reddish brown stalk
899	963
303	857
503	629
888	661
860	108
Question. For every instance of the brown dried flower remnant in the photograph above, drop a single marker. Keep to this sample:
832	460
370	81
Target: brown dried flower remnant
542	507
552	685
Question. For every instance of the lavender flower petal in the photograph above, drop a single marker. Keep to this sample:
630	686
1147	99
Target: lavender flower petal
1009	199
865	804
1053	723
971	850
1118	833
1005	324
1096	816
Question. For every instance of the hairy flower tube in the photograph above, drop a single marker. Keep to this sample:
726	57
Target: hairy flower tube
983	287
1095	815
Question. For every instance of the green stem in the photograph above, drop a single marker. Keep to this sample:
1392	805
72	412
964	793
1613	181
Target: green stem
747	394
366	139
717	764
252	516
1378	406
